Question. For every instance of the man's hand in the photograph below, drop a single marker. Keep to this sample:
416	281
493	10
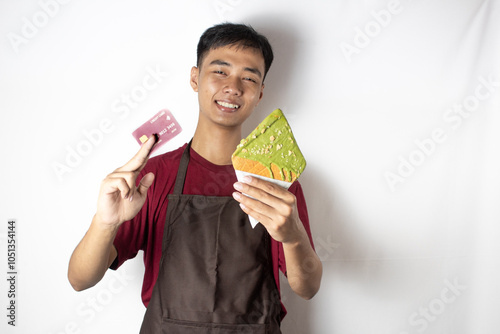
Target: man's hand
273	206
119	198
276	208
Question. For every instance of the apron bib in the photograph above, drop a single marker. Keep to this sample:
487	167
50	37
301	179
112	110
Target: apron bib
215	272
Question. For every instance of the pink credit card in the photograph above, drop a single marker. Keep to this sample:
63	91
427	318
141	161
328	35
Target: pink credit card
163	124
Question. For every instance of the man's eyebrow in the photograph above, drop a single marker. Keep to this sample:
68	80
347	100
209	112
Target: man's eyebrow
220	62
225	63
254	71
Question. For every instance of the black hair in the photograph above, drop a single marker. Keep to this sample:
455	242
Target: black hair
234	34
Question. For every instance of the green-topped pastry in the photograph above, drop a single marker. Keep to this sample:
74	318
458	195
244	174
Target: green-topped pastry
270	150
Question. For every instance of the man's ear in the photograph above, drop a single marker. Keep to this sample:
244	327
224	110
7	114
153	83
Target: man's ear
261	94
194	78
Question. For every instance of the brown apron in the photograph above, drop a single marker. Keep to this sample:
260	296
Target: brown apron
215	273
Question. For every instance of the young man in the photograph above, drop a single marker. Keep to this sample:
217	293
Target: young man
207	270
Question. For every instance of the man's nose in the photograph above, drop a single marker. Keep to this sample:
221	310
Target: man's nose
233	87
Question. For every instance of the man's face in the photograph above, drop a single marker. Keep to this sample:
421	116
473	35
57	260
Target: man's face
229	83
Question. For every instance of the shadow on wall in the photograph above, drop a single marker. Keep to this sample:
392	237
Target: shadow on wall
284	37
303	315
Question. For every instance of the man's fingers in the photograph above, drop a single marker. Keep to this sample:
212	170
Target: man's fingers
129	178
255	184
267	199
266	192
260	217
252	206
139	160
114	184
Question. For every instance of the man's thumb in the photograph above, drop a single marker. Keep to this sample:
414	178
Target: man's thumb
146	182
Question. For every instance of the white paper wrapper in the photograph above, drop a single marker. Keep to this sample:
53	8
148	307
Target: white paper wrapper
240	175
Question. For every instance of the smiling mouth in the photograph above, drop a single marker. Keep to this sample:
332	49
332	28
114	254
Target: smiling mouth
227	105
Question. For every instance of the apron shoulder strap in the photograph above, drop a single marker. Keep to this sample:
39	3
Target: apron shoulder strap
181	173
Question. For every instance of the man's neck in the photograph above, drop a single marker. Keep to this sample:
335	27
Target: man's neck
216	146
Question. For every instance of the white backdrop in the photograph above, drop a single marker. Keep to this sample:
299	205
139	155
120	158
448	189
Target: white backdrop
394	104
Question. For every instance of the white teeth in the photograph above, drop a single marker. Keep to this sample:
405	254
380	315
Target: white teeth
228	105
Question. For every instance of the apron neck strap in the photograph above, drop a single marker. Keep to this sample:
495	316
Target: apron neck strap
181	173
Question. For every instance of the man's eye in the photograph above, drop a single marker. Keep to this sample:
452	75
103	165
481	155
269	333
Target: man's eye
219	72
250	79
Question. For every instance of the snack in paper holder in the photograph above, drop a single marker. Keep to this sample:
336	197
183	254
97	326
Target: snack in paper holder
270	152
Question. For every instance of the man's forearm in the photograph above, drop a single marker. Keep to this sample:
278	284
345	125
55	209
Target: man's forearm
304	269
92	257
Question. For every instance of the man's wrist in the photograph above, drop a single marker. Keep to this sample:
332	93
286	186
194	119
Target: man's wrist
104	228
296	243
